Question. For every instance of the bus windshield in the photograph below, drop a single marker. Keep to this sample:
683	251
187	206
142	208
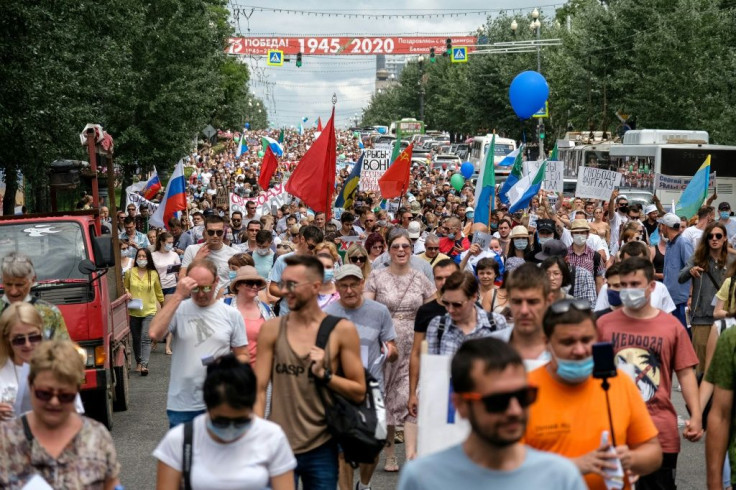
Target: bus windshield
501	150
55	248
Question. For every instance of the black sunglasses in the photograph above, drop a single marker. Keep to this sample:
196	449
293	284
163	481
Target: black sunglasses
212	232
716	236
564	305
225	422
22	339
499	402
357	258
47	395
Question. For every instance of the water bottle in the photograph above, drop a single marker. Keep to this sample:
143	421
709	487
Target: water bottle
614	478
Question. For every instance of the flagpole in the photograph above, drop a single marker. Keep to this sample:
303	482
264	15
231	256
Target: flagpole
328	213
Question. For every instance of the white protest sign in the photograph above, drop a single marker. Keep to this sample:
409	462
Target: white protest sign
276	195
482	239
439	425
553	178
596	183
375	164
669	183
137	200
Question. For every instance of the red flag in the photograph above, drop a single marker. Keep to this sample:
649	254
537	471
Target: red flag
395	182
319	123
268	167
313	179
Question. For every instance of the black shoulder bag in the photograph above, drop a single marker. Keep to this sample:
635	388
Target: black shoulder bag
186	458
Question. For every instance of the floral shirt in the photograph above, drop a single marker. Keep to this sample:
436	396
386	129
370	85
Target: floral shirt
85	463
54	327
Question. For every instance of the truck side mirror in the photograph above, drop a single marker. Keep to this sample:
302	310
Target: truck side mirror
103	251
86	267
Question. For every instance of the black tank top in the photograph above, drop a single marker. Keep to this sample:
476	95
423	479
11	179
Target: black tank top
658	260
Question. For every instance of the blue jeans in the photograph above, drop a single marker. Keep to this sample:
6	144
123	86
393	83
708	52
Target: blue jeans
180	417
317	468
679	313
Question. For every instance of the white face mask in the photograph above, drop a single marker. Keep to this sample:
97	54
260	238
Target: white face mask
579	239
634	298
263	251
521	243
142	263
169	246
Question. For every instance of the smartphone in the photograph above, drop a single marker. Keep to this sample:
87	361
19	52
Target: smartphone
604	365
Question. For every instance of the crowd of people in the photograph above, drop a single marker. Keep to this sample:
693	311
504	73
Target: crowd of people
238	298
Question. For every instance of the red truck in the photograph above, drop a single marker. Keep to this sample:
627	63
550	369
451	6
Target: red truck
76	271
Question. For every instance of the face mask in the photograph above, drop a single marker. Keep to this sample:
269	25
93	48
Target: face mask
329	275
575	371
543	240
634	298
614	297
521	243
470	215
169	246
624	209
141	263
494	226
579	239
725	214
230	433
451	236
263	251
232	274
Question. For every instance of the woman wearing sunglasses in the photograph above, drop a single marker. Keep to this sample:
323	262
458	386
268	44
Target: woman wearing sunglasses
245	286
52	441
358	255
375	245
231	447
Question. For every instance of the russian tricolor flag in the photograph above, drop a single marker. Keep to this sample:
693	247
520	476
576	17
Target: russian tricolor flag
175	198
152	186
267	142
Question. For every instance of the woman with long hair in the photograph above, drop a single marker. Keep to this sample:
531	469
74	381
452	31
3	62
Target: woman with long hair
358	256
167	264
142	284
558	273
600	227
707	270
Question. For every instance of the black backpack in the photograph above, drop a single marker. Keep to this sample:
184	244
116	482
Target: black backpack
359	429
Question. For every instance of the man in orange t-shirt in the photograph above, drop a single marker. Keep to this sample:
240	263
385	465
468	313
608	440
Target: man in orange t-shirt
570	414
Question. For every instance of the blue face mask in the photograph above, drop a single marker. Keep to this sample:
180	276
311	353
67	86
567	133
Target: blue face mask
470	215
329	275
451	236
230	433
575	371
725	214
614	297
232	274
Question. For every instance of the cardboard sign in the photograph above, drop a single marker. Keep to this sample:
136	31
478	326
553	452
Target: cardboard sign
668	183
375	164
276	195
596	183
221	198
137	200
553	176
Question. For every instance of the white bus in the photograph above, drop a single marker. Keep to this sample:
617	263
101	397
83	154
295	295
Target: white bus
479	150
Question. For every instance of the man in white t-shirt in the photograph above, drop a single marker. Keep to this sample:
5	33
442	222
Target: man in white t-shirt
213	249
203	329
706	214
618	213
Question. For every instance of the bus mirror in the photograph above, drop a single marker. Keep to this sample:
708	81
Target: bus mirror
104	255
86	267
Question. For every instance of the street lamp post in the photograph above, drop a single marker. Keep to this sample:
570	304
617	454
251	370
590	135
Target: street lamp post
421	88
356	119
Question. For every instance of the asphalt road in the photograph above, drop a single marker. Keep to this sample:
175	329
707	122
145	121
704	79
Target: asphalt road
137	432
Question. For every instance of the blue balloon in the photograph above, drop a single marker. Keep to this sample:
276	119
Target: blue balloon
247	125
528	93
467	169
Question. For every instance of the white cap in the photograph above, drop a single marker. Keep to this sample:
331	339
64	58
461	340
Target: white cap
670	220
650	209
414	229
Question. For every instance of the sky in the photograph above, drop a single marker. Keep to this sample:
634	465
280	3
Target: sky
292	93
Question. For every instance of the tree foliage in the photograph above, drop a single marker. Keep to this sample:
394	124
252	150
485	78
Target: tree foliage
152	73
667	63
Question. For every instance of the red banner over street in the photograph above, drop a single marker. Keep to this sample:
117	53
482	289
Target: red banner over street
346	45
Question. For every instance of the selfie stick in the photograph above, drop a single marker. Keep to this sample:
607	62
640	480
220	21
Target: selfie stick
604	368
605	385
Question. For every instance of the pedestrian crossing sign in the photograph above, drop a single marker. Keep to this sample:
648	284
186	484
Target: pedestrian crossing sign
275	58
460	54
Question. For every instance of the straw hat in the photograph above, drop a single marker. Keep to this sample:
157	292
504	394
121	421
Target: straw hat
246	273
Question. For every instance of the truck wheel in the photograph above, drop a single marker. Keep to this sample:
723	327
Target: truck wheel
98	405
122	388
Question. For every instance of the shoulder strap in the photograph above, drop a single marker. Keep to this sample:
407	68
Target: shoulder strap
491	321
441	329
186	460
325	329
26	428
596	262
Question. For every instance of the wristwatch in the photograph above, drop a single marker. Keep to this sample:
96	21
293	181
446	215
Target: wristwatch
327	376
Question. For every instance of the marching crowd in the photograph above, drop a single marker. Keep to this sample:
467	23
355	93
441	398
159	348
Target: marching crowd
239	298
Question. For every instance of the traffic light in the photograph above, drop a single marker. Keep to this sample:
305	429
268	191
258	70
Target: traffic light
541	131
448	44
432	58
299	59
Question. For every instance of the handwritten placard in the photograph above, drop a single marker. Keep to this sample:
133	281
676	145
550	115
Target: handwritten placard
375	164
276	195
596	183
553	176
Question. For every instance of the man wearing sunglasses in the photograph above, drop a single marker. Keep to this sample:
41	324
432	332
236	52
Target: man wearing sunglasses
492	393
645	337
305	243
202	329
432	252
570	413
213	249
